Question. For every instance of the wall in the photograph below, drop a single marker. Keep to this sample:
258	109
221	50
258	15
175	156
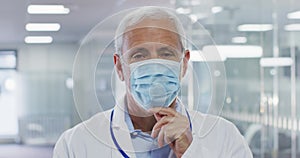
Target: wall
40	79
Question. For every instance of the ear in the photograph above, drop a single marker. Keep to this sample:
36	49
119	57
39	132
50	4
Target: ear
118	66
185	62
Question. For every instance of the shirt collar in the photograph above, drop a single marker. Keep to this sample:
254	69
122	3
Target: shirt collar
122	119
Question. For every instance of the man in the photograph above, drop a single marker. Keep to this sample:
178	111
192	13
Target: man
151	121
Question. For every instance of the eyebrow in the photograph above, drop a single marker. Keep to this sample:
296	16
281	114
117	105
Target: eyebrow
168	49
143	50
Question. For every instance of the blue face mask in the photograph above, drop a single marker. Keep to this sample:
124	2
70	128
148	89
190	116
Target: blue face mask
154	82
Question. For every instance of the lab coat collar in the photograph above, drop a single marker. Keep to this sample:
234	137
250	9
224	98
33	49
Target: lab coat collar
121	130
119	116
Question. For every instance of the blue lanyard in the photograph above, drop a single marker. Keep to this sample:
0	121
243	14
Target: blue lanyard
114	138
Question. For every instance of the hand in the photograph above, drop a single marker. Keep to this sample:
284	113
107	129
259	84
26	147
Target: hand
172	128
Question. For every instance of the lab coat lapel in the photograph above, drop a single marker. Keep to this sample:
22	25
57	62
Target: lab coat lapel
125	143
121	132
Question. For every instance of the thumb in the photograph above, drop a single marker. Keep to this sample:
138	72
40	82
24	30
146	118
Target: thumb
158	116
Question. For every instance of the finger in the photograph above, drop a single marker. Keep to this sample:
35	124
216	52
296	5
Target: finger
160	138
166	110
163	111
167	136
159	125
154	133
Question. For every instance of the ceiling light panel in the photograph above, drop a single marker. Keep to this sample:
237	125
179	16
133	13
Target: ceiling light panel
292	27
294	15
216	9
42	27
38	39
183	10
235	51
47	9
239	40
207	55
276	62
255	27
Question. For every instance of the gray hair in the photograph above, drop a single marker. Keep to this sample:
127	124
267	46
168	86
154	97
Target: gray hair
150	12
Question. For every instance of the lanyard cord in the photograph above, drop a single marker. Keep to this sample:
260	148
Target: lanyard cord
114	138
188	115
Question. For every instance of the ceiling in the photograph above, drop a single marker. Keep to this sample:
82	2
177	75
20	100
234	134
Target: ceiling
85	14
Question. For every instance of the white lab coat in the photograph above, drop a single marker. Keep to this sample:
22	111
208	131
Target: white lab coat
213	137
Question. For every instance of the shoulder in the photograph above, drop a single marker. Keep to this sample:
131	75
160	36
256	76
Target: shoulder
95	123
210	122
218	134
88	136
91	128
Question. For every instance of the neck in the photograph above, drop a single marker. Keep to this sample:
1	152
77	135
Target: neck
143	123
140	118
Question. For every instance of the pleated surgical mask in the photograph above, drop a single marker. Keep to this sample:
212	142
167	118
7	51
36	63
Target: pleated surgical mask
154	82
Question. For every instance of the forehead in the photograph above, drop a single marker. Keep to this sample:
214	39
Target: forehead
159	31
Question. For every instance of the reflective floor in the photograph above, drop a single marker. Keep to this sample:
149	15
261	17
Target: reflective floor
25	151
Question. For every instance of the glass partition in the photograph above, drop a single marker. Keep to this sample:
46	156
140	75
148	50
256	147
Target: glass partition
262	87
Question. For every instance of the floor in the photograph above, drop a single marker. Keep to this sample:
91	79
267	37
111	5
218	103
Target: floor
25	151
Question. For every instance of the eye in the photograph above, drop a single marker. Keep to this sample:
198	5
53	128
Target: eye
166	53
138	55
